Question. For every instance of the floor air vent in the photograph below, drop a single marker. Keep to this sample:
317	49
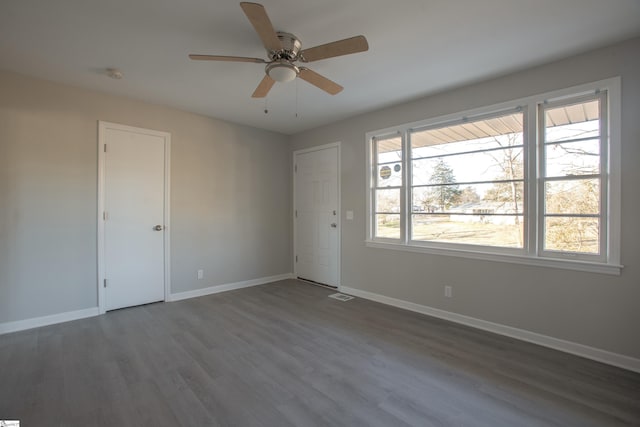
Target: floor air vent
341	297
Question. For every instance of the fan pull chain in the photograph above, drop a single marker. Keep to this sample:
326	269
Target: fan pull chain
266	110
296	98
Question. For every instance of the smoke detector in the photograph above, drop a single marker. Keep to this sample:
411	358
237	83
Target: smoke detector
114	73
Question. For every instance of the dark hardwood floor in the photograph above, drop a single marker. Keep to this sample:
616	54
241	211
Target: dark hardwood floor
284	354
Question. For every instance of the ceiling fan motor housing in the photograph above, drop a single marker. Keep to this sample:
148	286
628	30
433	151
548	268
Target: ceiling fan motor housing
290	47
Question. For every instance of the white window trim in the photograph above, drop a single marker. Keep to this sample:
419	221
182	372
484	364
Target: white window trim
527	255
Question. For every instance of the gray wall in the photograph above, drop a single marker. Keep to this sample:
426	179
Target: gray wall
230	204
592	309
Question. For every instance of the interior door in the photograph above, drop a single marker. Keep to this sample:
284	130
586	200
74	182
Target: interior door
316	215
134	216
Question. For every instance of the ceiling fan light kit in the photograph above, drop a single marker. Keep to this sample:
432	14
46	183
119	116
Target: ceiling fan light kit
282	71
284	49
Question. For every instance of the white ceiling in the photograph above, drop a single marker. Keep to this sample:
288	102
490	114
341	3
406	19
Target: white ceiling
417	47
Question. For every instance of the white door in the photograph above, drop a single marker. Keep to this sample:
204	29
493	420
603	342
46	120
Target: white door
133	200
316	215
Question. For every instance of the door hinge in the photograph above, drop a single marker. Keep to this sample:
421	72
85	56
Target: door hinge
296	258
295	168
104	283
105	148
105	215
296	213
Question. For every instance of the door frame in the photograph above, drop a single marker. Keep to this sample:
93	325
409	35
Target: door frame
337	145
102	129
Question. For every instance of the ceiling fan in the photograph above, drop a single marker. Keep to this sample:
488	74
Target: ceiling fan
284	50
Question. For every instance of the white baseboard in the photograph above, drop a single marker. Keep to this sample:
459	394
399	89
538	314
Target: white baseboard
228	287
592	353
36	322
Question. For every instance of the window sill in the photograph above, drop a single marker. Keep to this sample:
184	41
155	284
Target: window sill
586	266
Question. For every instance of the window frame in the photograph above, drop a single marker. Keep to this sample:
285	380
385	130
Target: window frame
372	189
532	253
602	97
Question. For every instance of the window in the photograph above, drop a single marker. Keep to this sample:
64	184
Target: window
533	181
388	186
572	183
467	182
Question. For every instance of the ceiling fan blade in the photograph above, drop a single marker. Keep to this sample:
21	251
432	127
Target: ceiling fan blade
226	58
319	81
264	87
262	24
338	48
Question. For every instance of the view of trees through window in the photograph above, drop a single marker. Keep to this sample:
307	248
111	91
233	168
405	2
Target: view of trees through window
572	178
467	182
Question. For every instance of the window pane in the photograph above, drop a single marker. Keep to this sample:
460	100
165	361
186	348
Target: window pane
572	121
568	132
389	175
572	148
388	150
483	166
579	196
574	158
388	200
484	134
387	226
495	198
468	182
570	234
500	231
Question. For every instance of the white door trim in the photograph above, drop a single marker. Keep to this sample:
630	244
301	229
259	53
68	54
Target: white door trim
337	145
102	128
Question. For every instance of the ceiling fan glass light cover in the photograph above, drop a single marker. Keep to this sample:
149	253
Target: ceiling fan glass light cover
282	71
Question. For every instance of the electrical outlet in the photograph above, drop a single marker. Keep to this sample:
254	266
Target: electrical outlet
448	291
200	274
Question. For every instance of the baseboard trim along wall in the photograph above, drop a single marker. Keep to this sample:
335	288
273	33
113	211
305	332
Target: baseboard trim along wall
36	322
228	287
592	353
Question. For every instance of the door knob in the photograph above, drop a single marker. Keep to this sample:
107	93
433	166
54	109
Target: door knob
158	228
334	225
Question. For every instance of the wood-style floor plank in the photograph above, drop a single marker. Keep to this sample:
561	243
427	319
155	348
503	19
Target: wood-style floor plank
284	354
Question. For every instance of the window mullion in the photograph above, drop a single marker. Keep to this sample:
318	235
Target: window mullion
530	133
604	175
373	161
537	134
572	177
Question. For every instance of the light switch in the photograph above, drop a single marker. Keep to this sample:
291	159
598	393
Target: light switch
349	214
